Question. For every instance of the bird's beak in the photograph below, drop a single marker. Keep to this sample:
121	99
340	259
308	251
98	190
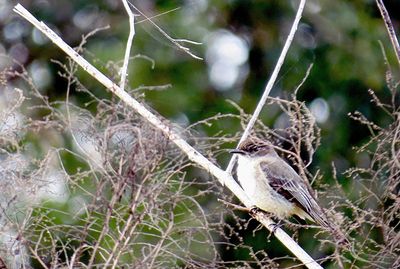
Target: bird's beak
237	151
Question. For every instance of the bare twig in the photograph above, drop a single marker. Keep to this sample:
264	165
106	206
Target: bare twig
173	40
34	252
389	28
234	206
124	69
2	264
158	15
222	176
271	81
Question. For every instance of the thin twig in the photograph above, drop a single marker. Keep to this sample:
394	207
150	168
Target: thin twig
389	28
34	253
158	15
2	264
271	81
222	176
172	40
124	69
234	206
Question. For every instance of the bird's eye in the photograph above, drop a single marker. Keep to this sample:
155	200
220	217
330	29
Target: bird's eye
253	148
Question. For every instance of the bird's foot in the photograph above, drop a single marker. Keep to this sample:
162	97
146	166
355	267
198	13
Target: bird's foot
275	226
254	210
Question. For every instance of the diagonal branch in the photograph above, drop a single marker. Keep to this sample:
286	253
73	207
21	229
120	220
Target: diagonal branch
124	69
271	81
162	125
389	28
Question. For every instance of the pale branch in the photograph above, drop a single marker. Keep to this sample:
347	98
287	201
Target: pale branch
161	124
389	28
124	69
271	81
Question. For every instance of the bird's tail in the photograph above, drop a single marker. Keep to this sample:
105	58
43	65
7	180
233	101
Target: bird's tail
340	238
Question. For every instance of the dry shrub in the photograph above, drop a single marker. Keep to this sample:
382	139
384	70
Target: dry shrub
115	189
375	204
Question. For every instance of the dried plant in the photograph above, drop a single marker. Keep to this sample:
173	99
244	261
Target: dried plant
375	205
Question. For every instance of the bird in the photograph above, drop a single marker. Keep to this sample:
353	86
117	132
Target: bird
275	187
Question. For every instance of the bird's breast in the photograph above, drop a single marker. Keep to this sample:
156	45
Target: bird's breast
256	186
247	174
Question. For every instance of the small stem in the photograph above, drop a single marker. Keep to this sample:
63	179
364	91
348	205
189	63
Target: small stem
124	69
389	28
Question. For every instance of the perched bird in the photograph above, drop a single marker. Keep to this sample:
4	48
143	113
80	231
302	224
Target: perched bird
275	187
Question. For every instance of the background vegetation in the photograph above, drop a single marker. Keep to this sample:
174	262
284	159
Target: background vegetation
82	174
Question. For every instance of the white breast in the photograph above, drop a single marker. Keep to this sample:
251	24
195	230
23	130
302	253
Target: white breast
246	175
259	191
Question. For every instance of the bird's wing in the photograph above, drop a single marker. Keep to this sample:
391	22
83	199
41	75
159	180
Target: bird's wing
285	181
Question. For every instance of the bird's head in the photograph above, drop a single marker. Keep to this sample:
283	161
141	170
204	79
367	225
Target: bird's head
254	147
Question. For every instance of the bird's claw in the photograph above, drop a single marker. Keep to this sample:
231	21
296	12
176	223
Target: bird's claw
275	226
254	210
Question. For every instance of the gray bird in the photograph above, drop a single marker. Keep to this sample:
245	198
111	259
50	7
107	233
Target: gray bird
274	186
